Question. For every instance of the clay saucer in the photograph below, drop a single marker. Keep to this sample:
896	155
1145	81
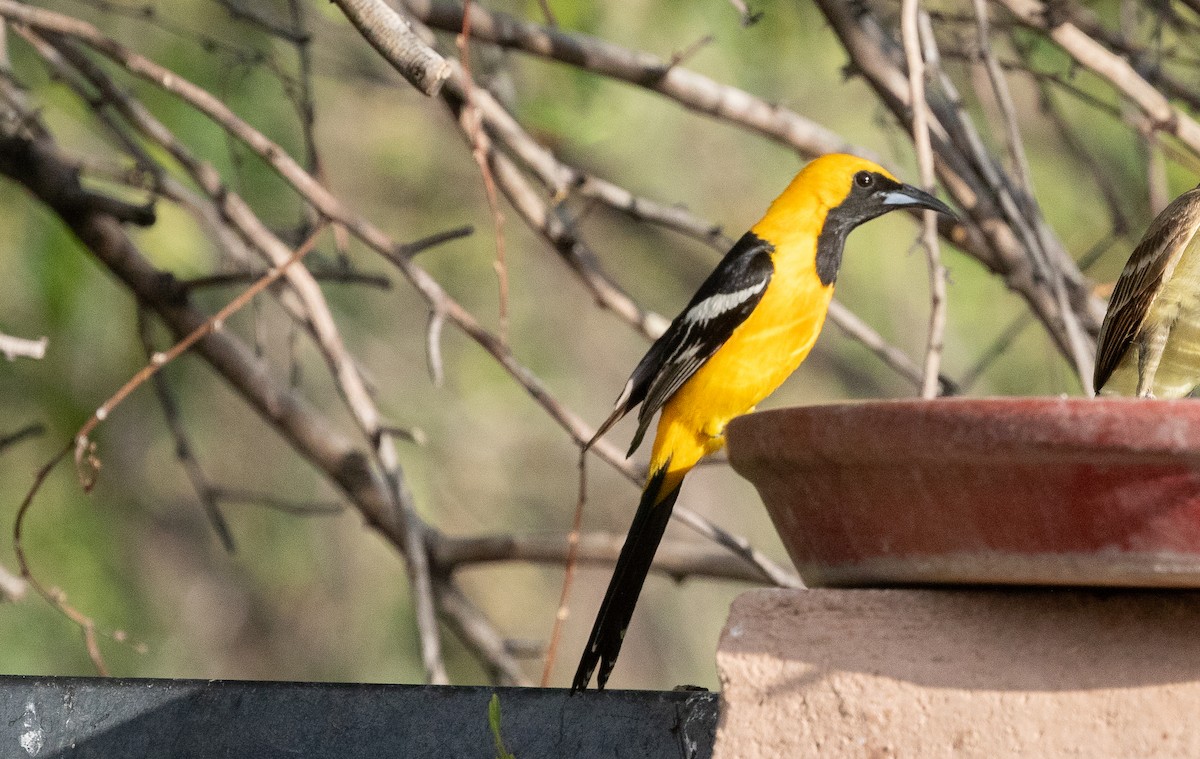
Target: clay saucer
1041	491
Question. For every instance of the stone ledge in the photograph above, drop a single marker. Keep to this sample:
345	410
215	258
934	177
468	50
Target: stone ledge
964	673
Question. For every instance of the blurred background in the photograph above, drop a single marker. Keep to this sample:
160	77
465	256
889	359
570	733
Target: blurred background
322	596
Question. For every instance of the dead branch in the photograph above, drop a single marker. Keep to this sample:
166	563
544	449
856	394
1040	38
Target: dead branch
205	490
394	39
25	433
915	58
472	126
1164	116
1002	232
677	559
20	347
691	90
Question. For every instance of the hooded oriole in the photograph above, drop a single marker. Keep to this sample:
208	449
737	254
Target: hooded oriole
1149	342
746	329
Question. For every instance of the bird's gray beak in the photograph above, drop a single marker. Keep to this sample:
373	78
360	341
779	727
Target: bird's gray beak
907	195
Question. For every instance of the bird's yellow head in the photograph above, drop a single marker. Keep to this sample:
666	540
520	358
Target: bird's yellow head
831	196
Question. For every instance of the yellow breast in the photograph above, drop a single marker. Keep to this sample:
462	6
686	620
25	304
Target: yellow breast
760	354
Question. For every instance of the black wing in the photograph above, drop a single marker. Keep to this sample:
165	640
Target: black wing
723	302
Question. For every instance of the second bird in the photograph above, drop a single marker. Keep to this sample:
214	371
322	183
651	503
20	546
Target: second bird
1149	343
746	329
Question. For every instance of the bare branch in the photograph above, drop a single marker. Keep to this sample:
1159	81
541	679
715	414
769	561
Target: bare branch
471	626
472	125
234	496
393	37
910	10
1010	238
1083	17
1163	115
332	209
241	218
569	565
328	337
433	347
678	559
689	89
53	596
25	433
849	322
20	347
1008	111
245	11
12	587
183	444
159	360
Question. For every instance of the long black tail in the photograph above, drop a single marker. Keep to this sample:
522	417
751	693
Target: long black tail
608	632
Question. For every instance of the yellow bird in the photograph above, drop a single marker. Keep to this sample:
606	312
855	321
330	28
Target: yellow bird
1149	343
746	329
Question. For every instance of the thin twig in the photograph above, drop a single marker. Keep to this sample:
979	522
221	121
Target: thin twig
747	16
549	220
183	445
547	13
564	598
55	598
20	347
899	361
271	501
12	587
331	276
471	626
688	88
411	249
472	124
247	12
87	467
994	228
414	435
1156	177
1008	111
1157	187
433	346
298	422
677	558
416	561
1163	115
1010	333
776	574
910	10
410	529
26	432
1110	191
689	52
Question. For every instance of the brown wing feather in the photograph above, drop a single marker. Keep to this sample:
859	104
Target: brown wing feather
1150	264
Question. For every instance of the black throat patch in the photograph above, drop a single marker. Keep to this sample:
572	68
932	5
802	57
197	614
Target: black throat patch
863	203
832	241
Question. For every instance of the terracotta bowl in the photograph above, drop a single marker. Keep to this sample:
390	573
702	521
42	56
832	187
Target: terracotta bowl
1075	491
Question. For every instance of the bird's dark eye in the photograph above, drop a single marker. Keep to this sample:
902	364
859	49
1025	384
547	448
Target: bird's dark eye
864	179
